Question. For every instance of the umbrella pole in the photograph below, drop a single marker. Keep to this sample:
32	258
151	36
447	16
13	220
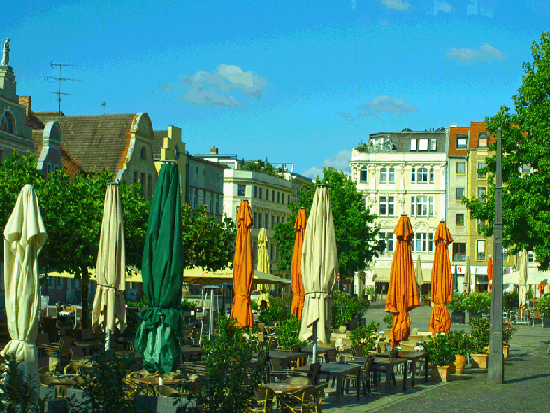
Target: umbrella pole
314	352
211	319
107	339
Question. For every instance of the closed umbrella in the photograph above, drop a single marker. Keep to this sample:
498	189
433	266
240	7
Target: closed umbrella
158	336
109	309
243	268
418	274
24	237
297	285
442	281
522	280
402	294
467	277
490	273
263	266
541	288
319	269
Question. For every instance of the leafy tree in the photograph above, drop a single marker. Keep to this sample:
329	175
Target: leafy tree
354	225
525	140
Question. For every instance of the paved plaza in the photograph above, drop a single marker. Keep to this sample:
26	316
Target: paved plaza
526	388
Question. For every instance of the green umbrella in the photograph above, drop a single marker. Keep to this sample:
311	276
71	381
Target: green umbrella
158	337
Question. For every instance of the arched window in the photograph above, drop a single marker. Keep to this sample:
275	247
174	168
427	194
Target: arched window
482	141
6	123
143	154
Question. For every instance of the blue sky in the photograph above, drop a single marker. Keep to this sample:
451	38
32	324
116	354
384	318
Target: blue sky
300	82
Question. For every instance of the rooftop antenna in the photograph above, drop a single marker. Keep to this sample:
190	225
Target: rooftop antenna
60	79
104	104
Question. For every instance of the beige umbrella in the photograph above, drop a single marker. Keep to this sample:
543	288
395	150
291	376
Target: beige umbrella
522	280
467	277
201	276
319	269
109	309
418	274
24	237
263	266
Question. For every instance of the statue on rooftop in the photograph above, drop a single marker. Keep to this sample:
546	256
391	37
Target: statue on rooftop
6	53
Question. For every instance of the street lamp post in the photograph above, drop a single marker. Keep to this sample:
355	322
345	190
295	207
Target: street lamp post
495	372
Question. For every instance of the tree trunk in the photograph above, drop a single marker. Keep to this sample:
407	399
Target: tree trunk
85	281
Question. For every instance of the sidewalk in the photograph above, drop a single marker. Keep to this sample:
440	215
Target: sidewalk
526	373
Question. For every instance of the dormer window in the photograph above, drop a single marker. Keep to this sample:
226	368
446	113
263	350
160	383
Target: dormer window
413	144
482	141
423	145
461	141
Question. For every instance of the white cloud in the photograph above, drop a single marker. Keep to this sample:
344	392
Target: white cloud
313	173
385	104
396	4
441	6
345	115
339	161
216	88
485	53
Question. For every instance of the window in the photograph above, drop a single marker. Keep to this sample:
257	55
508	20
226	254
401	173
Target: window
391	176
266	220
272	222
481	250
422	206
278	219
459	193
461	167
254	224
480	224
422	175
423	144
241	189
526	168
255	191
461	141
459	251
278	197
217	204
211	198
387	237
135	177
481	192
260	193
459	220
481	175
272	196
6	123
423	242
143	154
197	170
267	194
259	221
504	254
413	175
255	251
386	206
482	140
433	144
150	185
431	175
413	144
142	182
271	255
530	256
196	199
363	175
383	176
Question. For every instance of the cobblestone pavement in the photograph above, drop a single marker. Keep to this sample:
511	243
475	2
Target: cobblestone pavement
526	387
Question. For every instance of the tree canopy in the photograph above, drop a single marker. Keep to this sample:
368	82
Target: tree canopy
355	230
525	142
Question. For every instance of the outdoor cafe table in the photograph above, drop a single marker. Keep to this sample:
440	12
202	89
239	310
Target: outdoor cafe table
152	381
320	350
287	356
413	357
388	364
283	388
188	351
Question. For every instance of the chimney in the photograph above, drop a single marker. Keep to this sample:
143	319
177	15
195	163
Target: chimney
26	101
214	151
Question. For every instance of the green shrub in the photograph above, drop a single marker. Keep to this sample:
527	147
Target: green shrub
388	320
457	303
440	350
345	307
460	342
480	335
278	310
16	390
188	305
477	303
510	300
543	305
289	330
364	337
141	303
507	331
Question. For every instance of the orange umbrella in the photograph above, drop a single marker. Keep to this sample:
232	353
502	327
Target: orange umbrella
296	266
442	281
541	288
243	268
402	294
490	273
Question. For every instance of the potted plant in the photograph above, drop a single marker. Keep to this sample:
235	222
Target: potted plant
346	309
426	300
365	337
543	306
458	309
370	293
441	353
477	304
479	340
289	330
460	343
507	333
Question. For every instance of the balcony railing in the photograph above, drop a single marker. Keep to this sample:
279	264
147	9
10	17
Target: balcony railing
459	257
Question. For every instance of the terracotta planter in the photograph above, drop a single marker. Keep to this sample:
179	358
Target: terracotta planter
459	364
440	374
479	360
505	351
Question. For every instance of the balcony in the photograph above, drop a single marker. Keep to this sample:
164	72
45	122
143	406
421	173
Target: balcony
459	257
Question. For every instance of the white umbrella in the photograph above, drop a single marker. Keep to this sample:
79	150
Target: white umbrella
109	309
319	269
263	266
522	280
24	237
418	274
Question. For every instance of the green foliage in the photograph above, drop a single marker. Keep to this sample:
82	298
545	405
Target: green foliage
289	330
369	290
104	385
345	307
525	200
457	303
530	294
232	377
510	300
460	342
279	309
440	350
365	337
479	335
355	227
508	330
477	303
207	243
262	167
16	390
543	305
388	320
141	303
187	305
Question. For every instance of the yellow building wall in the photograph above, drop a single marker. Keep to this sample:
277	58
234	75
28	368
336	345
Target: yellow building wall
167	154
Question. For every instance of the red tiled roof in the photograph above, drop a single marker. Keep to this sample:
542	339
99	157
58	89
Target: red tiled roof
457	130
71	166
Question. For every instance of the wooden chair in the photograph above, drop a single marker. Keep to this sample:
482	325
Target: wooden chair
314	404
263	400
297	401
166	391
357	351
276	369
365	376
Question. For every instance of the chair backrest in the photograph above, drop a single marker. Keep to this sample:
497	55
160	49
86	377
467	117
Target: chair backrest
295	349
77	352
357	351
368	364
273	343
264	394
330	356
317	395
313	373
66	343
276	364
